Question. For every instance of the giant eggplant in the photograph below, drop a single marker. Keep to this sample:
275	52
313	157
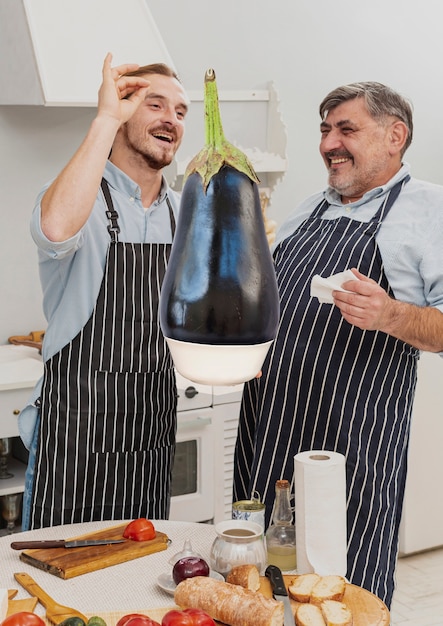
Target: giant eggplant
219	301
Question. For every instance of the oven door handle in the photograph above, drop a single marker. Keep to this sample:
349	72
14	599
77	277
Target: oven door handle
195	423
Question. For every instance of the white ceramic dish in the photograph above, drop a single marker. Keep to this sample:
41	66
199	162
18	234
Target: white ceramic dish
166	582
217	364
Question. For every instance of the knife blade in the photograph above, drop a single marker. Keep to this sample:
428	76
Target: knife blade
62	543
279	591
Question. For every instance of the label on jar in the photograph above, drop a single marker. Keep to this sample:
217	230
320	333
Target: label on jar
250	510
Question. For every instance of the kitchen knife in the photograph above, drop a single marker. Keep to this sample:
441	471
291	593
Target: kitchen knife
61	543
279	590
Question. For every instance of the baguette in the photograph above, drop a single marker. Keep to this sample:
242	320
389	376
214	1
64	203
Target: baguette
227	603
301	587
309	615
336	613
330	587
246	576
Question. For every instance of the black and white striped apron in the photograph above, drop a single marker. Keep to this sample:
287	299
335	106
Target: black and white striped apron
108	407
329	385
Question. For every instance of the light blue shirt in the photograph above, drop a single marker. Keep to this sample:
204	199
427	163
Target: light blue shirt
71	271
410	238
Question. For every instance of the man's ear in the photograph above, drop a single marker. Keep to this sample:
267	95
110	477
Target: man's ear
398	135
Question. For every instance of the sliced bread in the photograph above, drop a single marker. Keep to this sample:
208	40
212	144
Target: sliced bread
301	587
330	587
309	615
336	613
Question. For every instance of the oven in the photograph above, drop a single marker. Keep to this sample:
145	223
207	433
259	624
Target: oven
207	420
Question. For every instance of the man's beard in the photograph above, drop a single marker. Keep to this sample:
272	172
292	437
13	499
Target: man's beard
359	179
155	159
154	162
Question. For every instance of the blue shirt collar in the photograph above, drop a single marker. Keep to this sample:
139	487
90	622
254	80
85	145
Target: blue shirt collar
334	198
117	179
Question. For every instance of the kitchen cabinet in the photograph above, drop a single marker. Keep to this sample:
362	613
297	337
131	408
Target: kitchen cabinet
202	476
422	520
20	368
52	52
11	403
226	414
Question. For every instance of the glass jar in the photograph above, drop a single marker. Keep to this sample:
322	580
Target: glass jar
238	542
280	536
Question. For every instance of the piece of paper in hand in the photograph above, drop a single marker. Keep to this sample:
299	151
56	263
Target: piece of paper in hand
322	288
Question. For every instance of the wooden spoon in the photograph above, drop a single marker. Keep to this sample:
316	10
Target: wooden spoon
55	613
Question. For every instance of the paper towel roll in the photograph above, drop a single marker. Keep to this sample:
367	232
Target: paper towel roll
320	512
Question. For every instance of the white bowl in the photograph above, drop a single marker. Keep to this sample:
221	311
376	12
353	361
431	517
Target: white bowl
218	365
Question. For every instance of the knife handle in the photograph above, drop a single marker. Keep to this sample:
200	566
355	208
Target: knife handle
276	578
33	545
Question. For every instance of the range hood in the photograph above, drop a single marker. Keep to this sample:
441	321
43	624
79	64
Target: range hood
52	51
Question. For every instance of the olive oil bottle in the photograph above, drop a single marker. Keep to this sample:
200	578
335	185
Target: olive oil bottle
280	536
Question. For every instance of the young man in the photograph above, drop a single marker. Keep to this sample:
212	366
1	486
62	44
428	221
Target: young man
103	442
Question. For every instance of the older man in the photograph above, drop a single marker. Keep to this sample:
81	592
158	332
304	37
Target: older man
342	376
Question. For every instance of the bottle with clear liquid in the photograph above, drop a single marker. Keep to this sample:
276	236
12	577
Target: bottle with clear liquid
280	536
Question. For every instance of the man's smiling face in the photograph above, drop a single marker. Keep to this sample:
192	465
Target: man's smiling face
156	129
356	149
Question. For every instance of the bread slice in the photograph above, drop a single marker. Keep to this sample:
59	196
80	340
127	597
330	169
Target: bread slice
247	576
330	587
301	587
309	615
336	613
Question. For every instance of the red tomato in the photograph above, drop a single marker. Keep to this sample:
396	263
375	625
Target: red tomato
23	618
188	617
200	618
139	530
176	618
136	619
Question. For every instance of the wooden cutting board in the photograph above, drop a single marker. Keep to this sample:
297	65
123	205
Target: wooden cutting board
366	608
70	562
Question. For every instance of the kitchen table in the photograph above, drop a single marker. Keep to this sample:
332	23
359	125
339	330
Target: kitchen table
126	587
132	586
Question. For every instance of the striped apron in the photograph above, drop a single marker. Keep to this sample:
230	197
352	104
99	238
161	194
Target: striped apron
108	405
329	385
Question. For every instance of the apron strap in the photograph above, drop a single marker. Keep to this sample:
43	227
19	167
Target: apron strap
391	197
111	213
171	216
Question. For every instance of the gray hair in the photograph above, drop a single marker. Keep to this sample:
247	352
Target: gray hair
381	102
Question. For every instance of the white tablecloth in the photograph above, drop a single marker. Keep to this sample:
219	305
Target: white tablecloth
128	587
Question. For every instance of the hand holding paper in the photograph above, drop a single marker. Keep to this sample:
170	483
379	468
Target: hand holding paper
322	288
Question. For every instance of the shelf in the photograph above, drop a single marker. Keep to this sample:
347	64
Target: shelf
16	484
262	161
254	125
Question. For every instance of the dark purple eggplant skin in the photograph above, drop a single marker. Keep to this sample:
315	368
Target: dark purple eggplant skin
220	285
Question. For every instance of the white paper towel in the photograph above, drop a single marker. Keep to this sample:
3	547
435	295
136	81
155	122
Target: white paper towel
320	512
322	287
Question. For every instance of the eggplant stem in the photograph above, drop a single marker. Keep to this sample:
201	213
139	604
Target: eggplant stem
217	151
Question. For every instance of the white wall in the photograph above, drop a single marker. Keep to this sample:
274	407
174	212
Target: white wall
305	47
